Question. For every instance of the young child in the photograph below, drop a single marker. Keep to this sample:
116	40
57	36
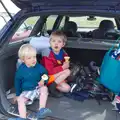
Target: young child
29	83
53	60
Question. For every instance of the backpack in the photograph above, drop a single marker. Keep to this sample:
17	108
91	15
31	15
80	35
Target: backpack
86	85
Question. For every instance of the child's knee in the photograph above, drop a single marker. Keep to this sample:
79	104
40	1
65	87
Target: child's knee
21	99
44	90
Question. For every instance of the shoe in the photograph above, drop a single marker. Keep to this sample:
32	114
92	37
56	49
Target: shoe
57	94
53	91
43	112
17	118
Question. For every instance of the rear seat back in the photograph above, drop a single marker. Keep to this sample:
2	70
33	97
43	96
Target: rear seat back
104	26
70	29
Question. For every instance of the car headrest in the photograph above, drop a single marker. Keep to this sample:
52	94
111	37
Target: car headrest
106	24
70	26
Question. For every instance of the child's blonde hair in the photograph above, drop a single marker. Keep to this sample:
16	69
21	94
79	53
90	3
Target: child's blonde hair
26	50
59	34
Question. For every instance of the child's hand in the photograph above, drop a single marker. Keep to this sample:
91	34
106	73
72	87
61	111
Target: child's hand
66	65
41	83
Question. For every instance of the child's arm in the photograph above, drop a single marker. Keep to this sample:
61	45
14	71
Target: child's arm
42	70
44	74
18	83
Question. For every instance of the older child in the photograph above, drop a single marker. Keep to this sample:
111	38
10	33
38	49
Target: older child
53	60
29	83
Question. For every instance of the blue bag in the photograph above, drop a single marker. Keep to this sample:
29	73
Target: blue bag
110	72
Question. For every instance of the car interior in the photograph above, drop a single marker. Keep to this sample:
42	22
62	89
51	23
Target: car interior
104	26
88	40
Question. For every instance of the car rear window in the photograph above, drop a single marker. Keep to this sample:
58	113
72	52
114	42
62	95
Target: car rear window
24	29
89	24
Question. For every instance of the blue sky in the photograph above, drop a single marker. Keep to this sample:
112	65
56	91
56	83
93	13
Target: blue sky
9	5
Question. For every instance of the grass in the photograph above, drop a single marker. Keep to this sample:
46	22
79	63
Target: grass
32	20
